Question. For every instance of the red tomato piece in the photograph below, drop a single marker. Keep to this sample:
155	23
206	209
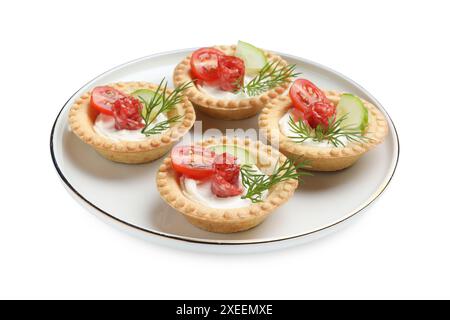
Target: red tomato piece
231	72
320	113
225	182
127	113
223	189
103	98
304	93
193	162
226	165
205	63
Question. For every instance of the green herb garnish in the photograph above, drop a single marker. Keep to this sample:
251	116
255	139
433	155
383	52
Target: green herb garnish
160	103
257	183
334	133
269	77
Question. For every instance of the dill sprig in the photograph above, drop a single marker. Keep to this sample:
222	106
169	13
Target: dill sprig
269	77
161	103
257	183
162	126
333	133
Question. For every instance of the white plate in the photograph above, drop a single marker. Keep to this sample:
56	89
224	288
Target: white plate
126	194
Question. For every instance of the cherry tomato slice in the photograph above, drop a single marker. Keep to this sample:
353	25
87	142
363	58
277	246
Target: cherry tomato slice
193	162
231	72
204	64
304	93
103	99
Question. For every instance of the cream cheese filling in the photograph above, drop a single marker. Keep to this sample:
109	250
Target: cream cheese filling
105	126
200	191
218	93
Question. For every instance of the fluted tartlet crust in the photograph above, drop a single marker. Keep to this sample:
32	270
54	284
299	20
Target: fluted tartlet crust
221	108
320	158
82	119
227	220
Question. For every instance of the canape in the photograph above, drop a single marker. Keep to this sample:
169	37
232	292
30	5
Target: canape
233	82
226	185
132	122
327	129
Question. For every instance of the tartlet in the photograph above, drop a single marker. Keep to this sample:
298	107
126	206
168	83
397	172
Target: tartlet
82	118
321	158
233	219
226	109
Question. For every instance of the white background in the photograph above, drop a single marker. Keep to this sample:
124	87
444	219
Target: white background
50	247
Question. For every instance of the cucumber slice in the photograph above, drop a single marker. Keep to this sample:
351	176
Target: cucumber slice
243	155
254	58
357	115
147	95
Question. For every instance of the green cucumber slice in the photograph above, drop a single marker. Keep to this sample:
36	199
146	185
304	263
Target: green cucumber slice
254	58
147	95
243	155
357	115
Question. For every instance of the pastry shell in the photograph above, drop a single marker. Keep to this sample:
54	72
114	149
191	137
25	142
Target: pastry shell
227	220
226	109
320	158
82	119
